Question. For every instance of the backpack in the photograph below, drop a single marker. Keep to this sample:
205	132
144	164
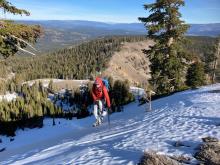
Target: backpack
106	83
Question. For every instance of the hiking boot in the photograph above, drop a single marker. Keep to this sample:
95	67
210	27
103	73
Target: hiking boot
102	119
97	123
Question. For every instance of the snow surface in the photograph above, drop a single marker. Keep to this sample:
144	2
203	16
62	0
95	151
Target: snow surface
8	96
137	91
46	82
186	117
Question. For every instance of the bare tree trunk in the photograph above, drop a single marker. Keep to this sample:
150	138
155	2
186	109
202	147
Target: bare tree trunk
149	99
215	63
150	103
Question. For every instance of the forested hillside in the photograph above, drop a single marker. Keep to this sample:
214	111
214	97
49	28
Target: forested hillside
80	61
200	45
205	48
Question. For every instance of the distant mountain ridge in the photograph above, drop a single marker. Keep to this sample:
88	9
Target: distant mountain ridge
68	24
59	34
212	29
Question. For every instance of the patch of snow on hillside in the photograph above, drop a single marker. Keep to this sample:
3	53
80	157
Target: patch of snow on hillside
45	82
8	96
137	91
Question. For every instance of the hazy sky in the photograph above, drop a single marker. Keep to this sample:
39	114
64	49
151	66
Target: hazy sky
195	11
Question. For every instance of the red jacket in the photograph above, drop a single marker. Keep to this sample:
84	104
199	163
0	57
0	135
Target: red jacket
100	92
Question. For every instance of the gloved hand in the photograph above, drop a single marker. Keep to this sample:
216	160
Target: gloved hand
109	110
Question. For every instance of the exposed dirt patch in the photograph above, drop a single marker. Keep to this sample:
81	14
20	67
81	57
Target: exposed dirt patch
130	63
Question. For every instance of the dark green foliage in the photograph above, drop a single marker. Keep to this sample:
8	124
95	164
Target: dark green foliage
195	75
199	45
204	48
26	111
167	58
77	102
8	7
120	95
83	100
82	112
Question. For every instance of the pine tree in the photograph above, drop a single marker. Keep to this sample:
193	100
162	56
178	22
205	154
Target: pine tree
195	75
166	56
15	37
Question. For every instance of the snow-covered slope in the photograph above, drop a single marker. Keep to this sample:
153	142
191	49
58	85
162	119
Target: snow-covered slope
187	117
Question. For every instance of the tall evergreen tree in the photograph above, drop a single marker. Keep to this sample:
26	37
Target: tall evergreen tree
167	58
15	37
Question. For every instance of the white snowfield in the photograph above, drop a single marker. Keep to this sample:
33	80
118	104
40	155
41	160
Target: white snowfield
186	117
46	82
8	97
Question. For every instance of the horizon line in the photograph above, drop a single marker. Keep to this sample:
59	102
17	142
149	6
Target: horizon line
94	21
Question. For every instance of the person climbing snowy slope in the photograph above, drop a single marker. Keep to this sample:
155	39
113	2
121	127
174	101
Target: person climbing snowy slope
99	93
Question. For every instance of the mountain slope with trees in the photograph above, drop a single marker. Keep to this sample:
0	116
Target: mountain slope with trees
80	62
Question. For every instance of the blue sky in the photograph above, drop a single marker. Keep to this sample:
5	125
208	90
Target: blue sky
195	11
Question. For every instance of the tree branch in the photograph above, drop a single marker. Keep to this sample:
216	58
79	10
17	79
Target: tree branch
18	47
24	42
